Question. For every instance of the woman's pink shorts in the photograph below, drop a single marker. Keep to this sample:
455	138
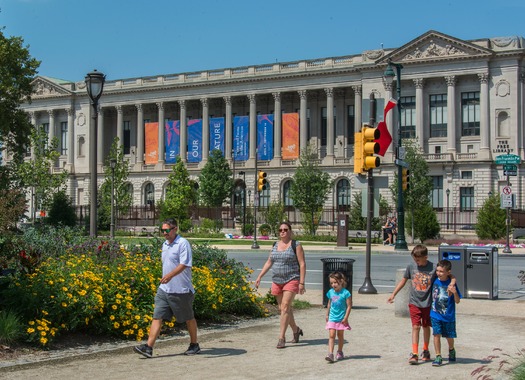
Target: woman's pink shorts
291	286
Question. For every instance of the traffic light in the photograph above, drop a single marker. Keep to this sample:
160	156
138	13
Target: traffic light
261	181
406	179
364	149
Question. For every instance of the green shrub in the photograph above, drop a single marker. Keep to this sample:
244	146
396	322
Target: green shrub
62	212
10	327
248	229
265	229
491	220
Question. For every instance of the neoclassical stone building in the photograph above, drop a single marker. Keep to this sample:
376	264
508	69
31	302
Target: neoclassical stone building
462	101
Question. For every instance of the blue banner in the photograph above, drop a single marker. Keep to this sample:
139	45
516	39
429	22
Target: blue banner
195	140
217	134
172	141
241	133
264	137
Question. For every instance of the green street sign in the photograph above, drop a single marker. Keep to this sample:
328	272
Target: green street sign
510	167
508	159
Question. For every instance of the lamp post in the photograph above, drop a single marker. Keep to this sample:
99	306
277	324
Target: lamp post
389	74
112	164
448	209
243	195
95	85
233	189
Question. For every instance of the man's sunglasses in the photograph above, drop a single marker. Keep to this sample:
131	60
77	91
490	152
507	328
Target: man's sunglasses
167	230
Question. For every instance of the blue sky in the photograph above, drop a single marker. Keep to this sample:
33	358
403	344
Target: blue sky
132	38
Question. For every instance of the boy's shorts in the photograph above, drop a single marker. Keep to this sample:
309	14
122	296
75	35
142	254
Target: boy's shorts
445	329
291	286
169	305
420	316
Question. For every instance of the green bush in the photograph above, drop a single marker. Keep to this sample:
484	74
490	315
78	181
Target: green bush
491	220
210	226
265	229
10	327
248	229
62	212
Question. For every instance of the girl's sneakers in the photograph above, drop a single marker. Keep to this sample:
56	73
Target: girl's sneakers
330	358
339	355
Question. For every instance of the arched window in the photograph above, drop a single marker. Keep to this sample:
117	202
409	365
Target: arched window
149	194
287	201
343	195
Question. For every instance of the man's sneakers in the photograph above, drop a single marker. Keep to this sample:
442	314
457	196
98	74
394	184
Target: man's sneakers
144	350
413	359
438	361
452	355
193	349
425	356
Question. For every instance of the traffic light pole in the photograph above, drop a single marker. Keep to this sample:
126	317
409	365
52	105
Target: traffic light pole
255	203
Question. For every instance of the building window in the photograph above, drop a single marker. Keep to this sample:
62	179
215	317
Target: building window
466	198
470	113
45	127
286	193
350	119
438	115
343	195
149	194
437	192
127	137
408	117
264	196
466	174
63	138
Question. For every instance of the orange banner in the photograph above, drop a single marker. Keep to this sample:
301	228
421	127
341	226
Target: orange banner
151	137
290	128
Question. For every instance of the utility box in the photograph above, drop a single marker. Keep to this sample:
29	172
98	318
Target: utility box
342	230
482	272
458	258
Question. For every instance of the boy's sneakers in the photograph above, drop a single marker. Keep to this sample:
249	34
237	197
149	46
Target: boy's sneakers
144	350
437	361
330	358
452	355
413	359
425	356
193	349
339	355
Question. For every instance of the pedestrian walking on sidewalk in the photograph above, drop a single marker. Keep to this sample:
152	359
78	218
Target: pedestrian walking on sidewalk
443	311
175	293
337	313
422	276
288	275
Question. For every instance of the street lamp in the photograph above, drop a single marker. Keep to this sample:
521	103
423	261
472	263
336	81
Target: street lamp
112	164
448	209
243	195
233	189
94	84
389	75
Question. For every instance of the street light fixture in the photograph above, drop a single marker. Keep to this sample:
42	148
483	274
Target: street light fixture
95	85
243	194
112	164
448	209
389	75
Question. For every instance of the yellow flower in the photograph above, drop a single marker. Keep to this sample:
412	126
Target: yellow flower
116	325
50	282
64	304
43	340
30	330
111	317
43	333
114	307
64	289
31	323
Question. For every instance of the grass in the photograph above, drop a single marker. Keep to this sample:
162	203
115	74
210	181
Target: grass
10	327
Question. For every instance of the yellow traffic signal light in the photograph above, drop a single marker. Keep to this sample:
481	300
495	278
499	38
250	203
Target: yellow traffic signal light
406	179
364	149
261	181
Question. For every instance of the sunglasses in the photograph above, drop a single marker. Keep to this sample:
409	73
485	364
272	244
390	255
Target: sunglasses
167	230
283	229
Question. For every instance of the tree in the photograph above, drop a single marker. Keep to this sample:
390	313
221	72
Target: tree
180	194
309	189
62	211
122	198
36	174
215	180
17	71
358	222
274	215
491	220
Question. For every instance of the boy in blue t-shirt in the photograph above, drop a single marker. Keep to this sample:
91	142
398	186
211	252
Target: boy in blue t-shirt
443	311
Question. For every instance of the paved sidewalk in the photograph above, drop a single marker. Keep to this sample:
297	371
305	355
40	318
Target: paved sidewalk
377	347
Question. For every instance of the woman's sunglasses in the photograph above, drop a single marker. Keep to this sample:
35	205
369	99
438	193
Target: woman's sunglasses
283	229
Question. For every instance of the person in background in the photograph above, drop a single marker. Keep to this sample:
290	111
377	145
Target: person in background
288	275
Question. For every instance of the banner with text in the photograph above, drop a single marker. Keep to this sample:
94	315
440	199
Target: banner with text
241	132
172	141
151	143
290	127
195	140
217	134
264	137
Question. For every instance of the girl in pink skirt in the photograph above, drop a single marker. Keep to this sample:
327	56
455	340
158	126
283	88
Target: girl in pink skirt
337	313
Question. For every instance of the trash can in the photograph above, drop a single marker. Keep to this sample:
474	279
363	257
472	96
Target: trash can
336	264
482	272
458	258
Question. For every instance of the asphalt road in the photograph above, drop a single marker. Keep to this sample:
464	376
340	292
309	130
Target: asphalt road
382	270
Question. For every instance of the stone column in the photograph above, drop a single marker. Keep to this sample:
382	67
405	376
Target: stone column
484	117
205	130
100	140
70	137
32	116
358	106
451	110
162	127
303	125
140	134
329	121
277	126
228	127
51	135
420	121
253	126
390	121
183	131
120	125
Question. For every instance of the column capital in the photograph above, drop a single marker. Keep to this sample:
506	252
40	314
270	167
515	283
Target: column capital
139	107
160	105
182	104
329	92
251	98
51	113
388	86
302	94
451	80
119	108
70	111
357	90
204	102
419	83
276	96
483	78
227	100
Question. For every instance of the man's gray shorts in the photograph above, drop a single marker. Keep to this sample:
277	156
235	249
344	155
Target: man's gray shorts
168	305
